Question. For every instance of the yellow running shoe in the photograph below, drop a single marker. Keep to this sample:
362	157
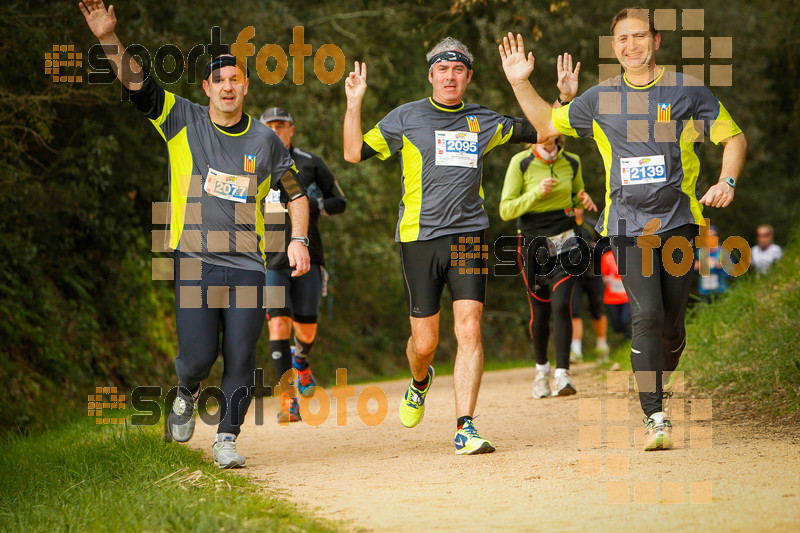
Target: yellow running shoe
468	442
412	407
657	434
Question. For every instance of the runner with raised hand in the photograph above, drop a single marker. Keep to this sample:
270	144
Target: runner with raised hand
222	164
647	124
441	142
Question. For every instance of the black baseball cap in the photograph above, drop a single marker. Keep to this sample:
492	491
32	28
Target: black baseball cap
276	113
222	61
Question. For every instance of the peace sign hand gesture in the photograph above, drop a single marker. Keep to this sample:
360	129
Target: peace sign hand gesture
355	85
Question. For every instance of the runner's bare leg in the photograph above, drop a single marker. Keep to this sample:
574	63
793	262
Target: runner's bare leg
422	344
468	369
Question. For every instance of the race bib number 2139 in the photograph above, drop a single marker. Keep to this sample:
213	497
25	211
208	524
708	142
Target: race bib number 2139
638	170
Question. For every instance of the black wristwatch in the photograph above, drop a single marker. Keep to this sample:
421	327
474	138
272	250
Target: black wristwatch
304	240
730	181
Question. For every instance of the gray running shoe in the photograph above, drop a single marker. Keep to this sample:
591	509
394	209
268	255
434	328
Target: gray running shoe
180	422
541	385
225	453
563	386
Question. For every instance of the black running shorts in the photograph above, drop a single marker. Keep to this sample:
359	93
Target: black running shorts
301	294
458	261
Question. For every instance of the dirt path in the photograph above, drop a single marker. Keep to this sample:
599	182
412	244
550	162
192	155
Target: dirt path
562	464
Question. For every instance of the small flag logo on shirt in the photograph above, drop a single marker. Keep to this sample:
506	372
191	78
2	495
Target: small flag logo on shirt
250	163
472	121
663	112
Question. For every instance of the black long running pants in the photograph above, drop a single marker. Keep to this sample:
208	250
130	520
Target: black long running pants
543	300
658	308
227	298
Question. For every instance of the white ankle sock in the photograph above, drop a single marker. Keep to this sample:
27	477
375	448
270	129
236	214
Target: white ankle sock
560	372
543	368
658	417
602	344
576	346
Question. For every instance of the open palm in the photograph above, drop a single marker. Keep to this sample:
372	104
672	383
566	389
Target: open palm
567	77
516	64
100	21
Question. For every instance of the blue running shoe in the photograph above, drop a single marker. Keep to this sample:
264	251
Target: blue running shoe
468	442
289	410
305	379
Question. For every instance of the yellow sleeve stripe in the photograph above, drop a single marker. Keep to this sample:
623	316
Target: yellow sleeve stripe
374	139
723	127
498	138
690	164
604	147
412	195
261	193
180	163
169	102
560	118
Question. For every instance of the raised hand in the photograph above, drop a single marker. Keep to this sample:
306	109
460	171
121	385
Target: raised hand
567	77
516	64
100	21
355	85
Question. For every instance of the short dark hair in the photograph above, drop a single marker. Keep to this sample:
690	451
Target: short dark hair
637	13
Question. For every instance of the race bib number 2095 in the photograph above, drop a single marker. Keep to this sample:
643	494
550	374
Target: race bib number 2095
457	149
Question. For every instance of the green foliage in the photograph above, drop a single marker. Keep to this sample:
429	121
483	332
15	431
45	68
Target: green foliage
77	306
744	344
86	477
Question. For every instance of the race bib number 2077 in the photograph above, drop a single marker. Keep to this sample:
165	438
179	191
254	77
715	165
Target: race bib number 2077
227	186
457	149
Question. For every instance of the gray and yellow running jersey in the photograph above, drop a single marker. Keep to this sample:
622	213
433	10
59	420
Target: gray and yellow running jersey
441	159
649	138
218	179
